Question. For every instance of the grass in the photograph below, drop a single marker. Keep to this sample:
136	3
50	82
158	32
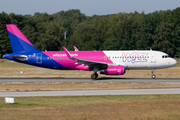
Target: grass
14	87
114	107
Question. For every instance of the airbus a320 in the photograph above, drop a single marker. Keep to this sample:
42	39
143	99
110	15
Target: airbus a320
107	62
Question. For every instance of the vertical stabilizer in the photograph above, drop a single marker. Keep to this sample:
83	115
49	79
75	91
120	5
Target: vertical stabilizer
19	42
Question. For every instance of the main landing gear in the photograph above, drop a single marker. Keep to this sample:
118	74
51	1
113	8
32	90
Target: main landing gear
94	76
153	75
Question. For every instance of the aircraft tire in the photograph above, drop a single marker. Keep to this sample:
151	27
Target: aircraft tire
153	76
94	76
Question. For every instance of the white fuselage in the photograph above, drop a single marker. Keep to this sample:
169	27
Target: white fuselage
141	59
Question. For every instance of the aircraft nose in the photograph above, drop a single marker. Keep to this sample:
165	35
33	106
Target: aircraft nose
174	62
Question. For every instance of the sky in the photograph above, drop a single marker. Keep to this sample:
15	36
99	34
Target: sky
88	7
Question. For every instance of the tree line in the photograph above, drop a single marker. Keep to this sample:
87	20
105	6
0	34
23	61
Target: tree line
159	30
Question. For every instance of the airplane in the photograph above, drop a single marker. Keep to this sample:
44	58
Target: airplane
107	62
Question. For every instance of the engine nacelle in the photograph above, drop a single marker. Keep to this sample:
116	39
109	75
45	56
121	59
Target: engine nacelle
113	70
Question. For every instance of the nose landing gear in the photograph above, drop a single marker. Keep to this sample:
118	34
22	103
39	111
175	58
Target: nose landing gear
153	75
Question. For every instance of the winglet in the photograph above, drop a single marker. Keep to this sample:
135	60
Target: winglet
75	48
67	52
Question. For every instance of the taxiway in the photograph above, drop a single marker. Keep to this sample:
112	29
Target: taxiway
92	92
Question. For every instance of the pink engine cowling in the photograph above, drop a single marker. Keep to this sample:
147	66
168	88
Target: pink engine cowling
113	70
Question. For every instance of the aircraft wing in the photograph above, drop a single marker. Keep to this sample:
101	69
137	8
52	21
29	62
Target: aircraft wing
87	62
90	63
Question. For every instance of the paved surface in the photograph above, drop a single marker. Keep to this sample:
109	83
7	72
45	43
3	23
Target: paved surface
89	80
92	92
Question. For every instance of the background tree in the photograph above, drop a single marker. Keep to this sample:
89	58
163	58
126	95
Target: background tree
159	30
165	38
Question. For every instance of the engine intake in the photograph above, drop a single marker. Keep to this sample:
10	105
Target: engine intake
113	70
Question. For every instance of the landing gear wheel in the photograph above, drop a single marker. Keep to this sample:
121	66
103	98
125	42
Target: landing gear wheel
94	76
153	76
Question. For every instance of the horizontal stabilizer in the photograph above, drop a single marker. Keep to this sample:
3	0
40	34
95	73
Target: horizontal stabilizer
19	57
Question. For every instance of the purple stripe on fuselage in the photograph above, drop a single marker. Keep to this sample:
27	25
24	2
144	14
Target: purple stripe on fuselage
61	58
14	30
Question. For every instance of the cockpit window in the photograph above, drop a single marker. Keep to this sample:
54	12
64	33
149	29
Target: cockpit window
165	56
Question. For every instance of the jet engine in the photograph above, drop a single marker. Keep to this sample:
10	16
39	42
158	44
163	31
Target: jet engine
113	70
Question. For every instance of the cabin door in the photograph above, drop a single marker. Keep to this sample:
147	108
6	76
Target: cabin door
153	57
39	58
